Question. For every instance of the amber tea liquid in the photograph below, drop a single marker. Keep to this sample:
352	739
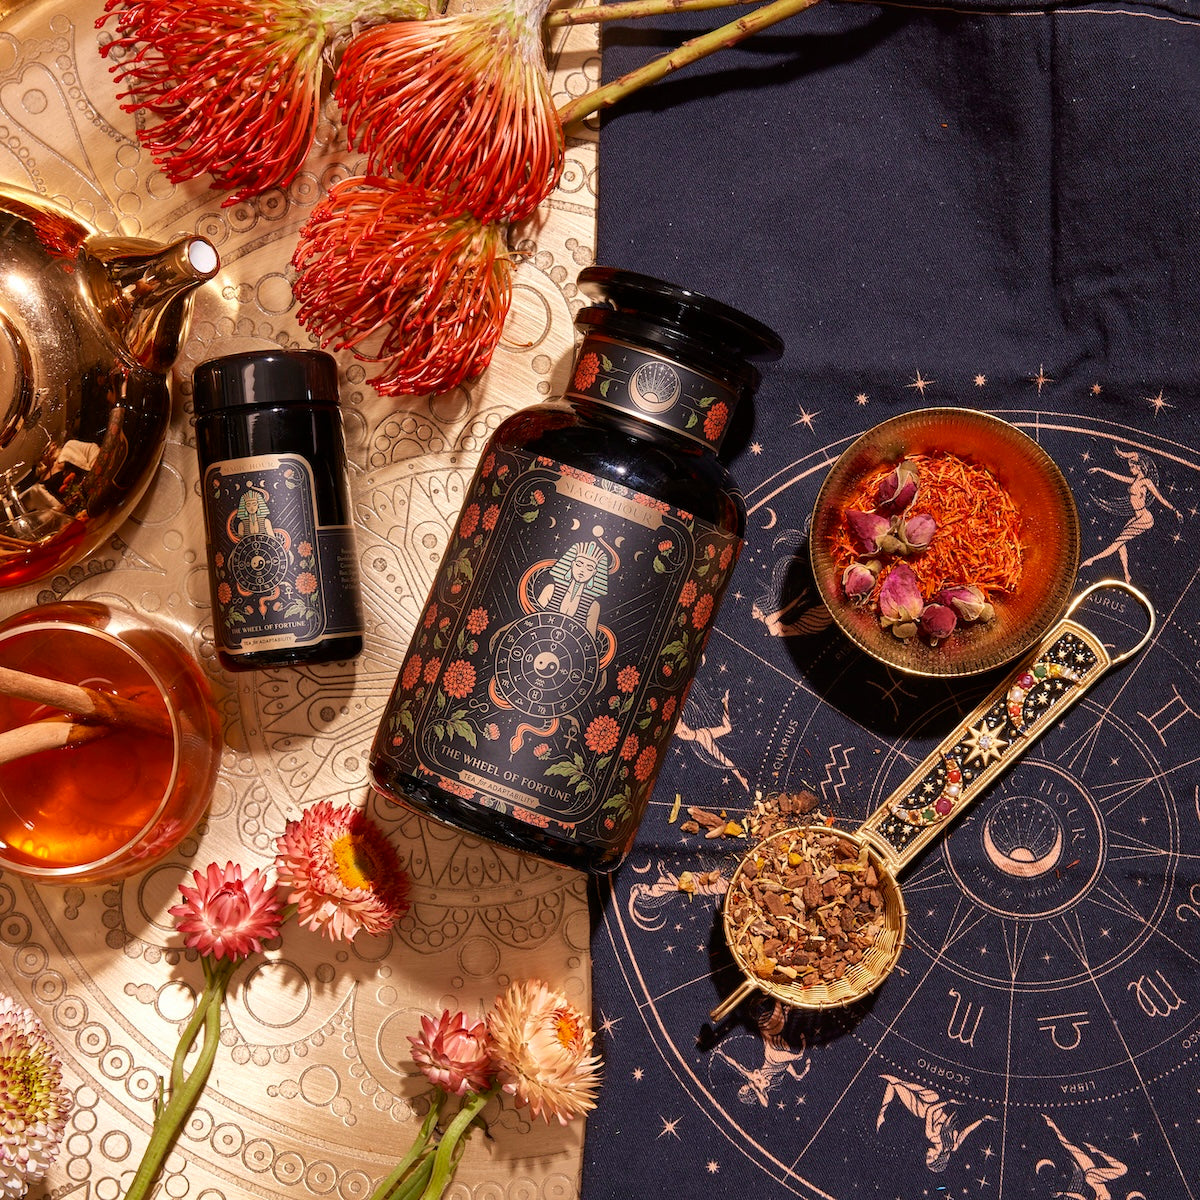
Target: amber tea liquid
113	805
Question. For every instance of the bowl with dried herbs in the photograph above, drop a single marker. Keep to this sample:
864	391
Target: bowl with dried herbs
945	542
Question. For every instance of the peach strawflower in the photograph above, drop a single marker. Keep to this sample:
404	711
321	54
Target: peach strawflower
460	105
543	1051
384	272
454	1054
34	1105
232	87
226	915
343	873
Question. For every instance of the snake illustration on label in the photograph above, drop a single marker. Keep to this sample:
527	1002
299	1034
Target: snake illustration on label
270	562
548	669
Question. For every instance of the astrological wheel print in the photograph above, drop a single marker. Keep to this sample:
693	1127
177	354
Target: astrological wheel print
1040	1035
547	664
258	563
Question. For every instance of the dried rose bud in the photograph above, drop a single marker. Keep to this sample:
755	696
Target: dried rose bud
871	531
967	601
900	601
858	580
938	621
916	532
899	489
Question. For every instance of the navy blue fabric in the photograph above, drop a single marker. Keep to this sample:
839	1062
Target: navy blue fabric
992	207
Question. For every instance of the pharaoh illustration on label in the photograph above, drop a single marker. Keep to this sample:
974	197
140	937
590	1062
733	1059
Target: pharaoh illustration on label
265	553
547	672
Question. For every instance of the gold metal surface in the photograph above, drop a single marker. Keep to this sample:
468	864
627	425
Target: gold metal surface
313	1092
1049	539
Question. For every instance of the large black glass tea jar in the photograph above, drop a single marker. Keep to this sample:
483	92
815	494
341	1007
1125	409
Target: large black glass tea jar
547	672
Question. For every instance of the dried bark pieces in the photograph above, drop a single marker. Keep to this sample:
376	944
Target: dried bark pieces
805	907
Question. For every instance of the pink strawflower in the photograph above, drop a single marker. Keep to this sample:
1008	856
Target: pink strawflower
343	873
460	105
226	915
386	273
453	1054
34	1105
232	88
543	1051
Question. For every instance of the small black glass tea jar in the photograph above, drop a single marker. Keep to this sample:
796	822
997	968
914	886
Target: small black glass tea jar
281	551
568	616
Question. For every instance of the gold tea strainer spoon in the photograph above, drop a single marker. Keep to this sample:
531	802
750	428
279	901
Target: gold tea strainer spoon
1048	681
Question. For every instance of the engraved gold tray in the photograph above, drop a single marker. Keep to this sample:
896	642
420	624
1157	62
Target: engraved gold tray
313	1087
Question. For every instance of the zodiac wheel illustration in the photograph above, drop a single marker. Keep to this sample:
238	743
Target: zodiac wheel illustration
1045	1002
258	563
547	664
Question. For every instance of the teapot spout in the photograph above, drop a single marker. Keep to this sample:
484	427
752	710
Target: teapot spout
143	292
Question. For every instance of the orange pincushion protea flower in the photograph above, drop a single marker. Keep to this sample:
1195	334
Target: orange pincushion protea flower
384	272
234	85
460	105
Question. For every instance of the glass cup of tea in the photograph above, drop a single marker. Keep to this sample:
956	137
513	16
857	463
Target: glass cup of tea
87	798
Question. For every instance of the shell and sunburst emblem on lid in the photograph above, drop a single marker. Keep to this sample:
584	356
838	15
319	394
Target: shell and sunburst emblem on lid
655	387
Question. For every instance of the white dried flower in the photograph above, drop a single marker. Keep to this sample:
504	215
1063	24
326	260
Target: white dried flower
34	1105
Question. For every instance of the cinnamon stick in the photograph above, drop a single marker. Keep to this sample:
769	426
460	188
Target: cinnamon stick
84	702
50	734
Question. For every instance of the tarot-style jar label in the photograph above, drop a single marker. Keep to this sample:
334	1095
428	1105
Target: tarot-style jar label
548	670
278	578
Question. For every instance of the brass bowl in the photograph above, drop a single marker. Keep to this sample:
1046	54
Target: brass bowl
1049	539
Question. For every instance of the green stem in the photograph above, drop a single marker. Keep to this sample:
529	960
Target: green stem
448	1151
386	1187
413	1187
624	10
169	1119
691	51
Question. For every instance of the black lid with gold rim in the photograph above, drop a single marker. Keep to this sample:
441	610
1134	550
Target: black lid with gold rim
671	356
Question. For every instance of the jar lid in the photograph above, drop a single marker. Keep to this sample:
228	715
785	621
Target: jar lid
668	356
667	313
265	377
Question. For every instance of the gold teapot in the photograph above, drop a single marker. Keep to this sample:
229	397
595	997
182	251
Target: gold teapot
89	327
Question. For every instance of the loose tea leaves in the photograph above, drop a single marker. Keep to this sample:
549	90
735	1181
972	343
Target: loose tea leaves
806	906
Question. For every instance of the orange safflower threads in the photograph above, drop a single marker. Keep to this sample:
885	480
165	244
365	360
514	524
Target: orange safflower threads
978	538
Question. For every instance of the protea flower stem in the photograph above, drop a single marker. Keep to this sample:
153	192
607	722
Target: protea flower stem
691	51
625	10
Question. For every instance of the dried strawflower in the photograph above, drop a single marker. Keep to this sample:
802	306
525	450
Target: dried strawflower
233	87
543	1051
384	272
226	916
900	601
34	1104
344	874
459	105
453	1054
